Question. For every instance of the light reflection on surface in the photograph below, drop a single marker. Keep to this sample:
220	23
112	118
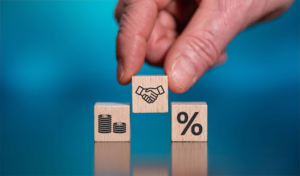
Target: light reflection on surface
189	158
112	158
150	169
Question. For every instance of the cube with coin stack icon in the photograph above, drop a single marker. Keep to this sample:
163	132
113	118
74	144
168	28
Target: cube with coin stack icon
150	94
112	122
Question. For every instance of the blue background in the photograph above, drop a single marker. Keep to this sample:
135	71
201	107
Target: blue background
58	59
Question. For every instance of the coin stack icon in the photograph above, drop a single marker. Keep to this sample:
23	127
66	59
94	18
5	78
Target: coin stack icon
119	127
104	123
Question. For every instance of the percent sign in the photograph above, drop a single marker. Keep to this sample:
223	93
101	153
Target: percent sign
185	115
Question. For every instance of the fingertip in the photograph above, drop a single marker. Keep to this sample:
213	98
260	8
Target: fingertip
174	87
124	81
122	76
181	74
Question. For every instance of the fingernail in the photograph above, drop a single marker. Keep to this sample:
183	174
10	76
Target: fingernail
183	73
120	70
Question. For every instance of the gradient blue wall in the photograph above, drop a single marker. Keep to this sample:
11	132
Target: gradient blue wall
58	59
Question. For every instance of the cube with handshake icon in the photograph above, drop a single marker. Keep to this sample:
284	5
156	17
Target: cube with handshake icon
149	94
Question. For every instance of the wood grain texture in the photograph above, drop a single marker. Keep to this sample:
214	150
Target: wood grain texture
112	158
189	158
119	112
139	105
190	108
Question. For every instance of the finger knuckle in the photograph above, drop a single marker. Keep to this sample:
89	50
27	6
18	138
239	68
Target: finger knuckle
202	47
159	3
117	14
130	2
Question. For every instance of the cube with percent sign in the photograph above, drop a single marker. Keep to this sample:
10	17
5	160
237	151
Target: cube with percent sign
149	94
189	121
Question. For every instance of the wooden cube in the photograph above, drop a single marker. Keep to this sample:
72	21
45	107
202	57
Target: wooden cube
112	158
112	122
189	121
149	94
189	158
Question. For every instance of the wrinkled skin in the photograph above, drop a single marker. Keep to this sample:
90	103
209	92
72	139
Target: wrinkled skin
186	37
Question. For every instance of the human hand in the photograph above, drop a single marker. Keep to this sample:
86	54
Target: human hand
186	37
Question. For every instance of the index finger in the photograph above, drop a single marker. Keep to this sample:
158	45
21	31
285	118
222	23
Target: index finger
136	24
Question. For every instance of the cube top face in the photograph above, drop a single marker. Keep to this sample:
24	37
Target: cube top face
112	122
111	104
149	94
189	121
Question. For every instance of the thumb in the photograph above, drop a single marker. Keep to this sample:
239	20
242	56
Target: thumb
203	42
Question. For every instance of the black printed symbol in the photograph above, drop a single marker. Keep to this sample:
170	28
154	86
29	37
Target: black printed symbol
185	115
119	127
104	125
150	94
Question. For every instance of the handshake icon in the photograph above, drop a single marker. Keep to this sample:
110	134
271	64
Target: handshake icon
150	94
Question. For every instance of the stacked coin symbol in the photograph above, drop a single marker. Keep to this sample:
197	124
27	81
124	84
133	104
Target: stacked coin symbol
119	127
104	123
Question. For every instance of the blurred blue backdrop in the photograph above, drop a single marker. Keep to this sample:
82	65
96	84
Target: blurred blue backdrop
58	59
